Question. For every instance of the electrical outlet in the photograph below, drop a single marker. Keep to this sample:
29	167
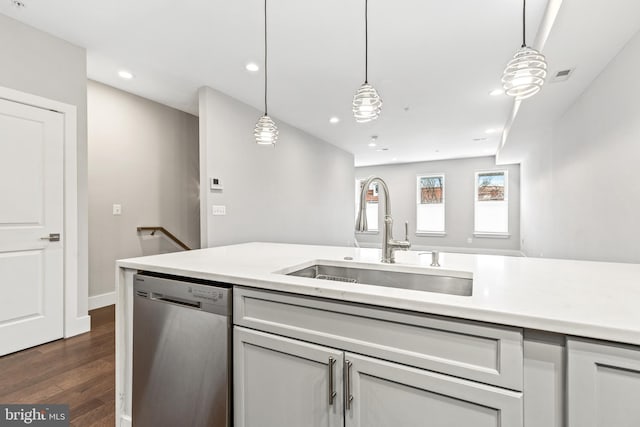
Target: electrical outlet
117	209
469	240
218	210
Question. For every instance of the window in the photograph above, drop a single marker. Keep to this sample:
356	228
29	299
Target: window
492	203
430	211
372	204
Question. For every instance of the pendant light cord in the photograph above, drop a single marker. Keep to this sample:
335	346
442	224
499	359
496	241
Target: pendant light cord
524	23
265	57
366	41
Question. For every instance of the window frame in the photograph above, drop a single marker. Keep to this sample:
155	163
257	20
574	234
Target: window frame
432	233
491	234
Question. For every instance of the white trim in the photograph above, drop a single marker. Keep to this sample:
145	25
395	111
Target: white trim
102	300
74	322
481	235
431	234
454	249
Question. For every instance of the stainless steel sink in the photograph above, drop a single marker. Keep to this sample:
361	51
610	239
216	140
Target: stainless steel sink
394	279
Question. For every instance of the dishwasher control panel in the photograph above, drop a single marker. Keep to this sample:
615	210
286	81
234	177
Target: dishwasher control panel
212	297
207	293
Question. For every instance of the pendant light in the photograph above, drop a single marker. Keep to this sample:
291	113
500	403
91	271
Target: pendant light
366	102
266	131
526	72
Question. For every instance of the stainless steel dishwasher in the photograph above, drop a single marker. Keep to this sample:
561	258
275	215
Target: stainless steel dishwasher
181	352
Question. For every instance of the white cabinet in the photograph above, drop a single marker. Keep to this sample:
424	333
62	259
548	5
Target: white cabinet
392	368
603	384
387	394
280	382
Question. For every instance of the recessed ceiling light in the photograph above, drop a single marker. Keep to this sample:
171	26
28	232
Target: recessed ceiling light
125	74
333	120
395	159
492	130
497	92
18	4
252	66
372	144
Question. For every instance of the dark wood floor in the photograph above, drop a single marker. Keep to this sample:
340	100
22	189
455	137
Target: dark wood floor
79	371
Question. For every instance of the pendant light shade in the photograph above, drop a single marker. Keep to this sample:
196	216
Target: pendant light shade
526	72
266	131
367	103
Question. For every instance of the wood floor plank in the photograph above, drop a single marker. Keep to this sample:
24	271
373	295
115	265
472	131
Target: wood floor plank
78	371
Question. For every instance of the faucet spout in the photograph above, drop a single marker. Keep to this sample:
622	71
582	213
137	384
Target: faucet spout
389	244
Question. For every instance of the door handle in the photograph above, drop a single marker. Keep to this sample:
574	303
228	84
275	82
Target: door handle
332	388
347	381
52	237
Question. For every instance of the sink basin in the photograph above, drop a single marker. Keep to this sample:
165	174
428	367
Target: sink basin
393	279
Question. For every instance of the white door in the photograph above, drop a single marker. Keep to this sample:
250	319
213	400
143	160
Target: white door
31	208
280	382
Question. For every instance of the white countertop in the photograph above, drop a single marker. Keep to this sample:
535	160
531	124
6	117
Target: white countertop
590	299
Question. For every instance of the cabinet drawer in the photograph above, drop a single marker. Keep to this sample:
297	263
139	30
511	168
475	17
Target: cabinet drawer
490	354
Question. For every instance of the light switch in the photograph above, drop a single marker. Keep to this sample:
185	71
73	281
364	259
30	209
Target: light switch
117	209
219	210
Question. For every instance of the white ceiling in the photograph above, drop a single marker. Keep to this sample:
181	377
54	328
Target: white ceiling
586	35
438	58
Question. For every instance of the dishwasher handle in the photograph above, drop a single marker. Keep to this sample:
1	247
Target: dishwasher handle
155	296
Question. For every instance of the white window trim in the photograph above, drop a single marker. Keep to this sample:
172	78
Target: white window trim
485	235
491	234
444	204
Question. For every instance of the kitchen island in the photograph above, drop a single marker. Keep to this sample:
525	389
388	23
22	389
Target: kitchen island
524	349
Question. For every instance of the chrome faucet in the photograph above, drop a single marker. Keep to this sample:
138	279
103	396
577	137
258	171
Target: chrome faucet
389	245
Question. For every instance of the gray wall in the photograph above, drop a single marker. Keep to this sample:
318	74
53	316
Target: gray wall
38	63
581	191
144	156
301	191
459	204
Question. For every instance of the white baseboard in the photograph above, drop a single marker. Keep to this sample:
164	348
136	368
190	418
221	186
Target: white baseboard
102	300
453	249
77	326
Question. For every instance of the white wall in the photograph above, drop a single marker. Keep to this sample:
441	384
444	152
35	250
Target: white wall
581	191
38	63
301	191
459	204
143	156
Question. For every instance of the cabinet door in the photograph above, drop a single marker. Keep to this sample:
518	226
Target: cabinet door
279	382
603	384
387	394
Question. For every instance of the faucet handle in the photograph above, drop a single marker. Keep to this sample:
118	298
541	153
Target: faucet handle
406	231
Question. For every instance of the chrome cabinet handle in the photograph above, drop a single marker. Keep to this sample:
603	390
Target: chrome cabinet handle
53	237
332	387
347	382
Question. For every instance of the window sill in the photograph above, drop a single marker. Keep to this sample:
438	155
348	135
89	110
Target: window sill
480	235
431	234
367	232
